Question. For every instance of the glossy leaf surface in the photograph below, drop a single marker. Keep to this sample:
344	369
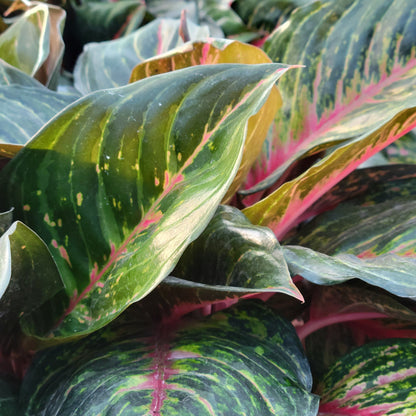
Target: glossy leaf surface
24	110
11	75
390	272
284	208
29	281
25	44
128	194
232	252
246	360
117	58
353	81
378	378
220	51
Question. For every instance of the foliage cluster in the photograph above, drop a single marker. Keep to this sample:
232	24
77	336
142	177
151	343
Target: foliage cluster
205	208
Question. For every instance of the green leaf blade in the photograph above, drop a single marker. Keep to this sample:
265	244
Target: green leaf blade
129	185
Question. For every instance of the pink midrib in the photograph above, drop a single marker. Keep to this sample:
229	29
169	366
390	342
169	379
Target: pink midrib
152	215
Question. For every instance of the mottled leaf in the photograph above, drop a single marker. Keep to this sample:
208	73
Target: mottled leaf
390	272
360	71
234	254
24	110
30	284
284	208
220	51
402	150
246	360
98	21
378	378
117	58
25	44
130	193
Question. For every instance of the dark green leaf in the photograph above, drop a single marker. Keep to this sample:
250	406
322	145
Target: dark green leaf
9	397
378	378
243	361
117	195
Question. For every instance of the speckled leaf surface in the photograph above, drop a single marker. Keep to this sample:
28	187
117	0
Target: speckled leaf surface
24	110
390	272
353	81
376	379
284	208
402	150
25	44
243	361
128	194
117	58
220	51
29	281
232	252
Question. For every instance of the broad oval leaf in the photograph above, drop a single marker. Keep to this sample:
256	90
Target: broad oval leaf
354	81
377	378
246	360
131	192
25	44
220	51
390	272
116	58
233	253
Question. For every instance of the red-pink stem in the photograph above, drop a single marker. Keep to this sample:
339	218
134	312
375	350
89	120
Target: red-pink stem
315	324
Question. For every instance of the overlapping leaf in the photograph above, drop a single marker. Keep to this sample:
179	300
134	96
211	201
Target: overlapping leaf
218	51
236	255
403	150
246	360
284	208
378	378
390	272
117	58
117	195
354	81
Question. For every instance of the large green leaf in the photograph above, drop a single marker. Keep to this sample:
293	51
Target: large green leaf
9	397
30	284
117	58
243	361
12	75
376	379
390	272
24	110
25	44
360	71
284	208
232	252
118	195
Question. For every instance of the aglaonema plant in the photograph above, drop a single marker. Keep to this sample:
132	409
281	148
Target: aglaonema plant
186	226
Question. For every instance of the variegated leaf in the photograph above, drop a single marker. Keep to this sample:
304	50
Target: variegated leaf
12	75
243	361
390	272
375	379
220	51
360	71
402	150
284	208
118	195
117	58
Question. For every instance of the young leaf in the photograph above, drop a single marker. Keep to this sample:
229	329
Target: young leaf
116	58
130	192
390	272
359	71
232	252
283	209
25	44
220	51
246	360
378	378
